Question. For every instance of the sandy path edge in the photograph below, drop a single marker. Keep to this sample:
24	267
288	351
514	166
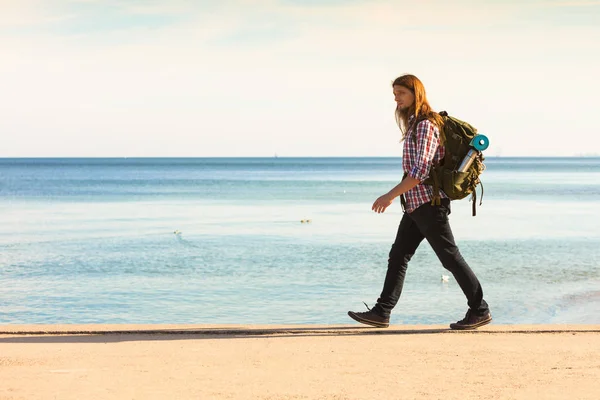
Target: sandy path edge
231	329
298	362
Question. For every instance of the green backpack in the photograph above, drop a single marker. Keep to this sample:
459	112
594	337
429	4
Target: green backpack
457	138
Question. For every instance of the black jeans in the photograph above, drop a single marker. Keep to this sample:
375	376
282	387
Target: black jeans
431	223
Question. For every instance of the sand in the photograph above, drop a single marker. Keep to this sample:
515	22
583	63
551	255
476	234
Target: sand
298	362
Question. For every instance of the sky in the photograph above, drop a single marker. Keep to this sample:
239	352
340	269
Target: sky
234	78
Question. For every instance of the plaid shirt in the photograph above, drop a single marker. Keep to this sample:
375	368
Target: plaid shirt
417	158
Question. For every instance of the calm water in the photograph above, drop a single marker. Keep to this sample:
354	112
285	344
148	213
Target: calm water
92	241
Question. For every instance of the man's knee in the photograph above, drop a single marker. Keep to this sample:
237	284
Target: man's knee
399	255
451	258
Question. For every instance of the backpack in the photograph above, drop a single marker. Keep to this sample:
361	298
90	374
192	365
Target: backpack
457	138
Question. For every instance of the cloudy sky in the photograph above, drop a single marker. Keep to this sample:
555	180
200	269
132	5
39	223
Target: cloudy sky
292	77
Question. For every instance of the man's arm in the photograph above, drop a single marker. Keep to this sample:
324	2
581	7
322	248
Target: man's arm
427	143
386	200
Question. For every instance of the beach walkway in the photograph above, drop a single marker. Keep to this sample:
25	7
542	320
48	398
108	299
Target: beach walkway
298	362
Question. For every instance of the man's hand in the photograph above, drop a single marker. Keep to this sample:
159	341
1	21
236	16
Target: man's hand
382	203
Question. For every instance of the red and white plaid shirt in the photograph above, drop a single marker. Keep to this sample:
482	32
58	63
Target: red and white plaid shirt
417	158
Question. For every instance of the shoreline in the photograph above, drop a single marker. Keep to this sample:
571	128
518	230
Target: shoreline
267	329
298	362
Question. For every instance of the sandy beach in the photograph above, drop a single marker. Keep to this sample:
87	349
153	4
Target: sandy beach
298	362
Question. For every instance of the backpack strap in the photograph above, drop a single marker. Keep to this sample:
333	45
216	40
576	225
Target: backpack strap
436	200
403	202
402	198
474	199
413	126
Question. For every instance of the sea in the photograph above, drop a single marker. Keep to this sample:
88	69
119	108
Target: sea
282	240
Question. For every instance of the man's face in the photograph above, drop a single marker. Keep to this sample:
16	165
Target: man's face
404	97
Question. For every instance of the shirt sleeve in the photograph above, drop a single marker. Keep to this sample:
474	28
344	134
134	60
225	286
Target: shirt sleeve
427	142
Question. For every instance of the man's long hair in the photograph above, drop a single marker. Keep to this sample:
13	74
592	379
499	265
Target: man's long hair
420	108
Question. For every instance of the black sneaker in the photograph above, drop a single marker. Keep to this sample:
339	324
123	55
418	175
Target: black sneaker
472	321
370	317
